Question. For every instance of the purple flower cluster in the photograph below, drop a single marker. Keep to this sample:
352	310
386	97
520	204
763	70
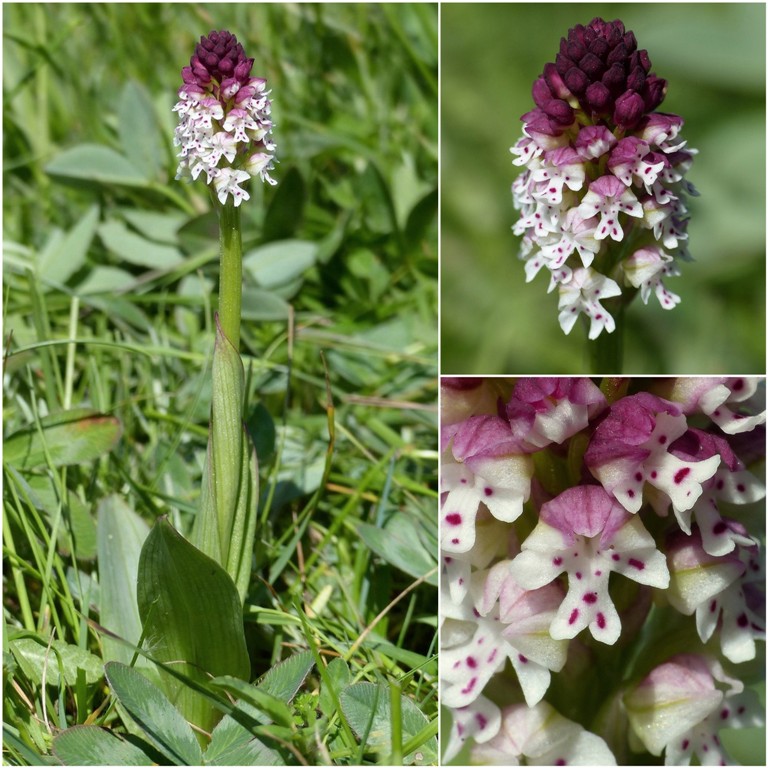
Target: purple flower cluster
601	167
573	516
224	128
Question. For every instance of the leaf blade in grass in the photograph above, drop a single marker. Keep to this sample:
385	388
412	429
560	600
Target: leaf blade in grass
67	254
232	744
137	250
181	593
139	134
280	263
274	709
399	544
70	437
94	164
159	719
33	655
91	745
285	678
121	534
367	709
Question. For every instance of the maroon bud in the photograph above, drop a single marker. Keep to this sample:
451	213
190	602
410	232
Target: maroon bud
636	80
618	55
555	82
576	81
628	110
592	66
630	41
615	79
599	98
654	91
600	48
563	64
541	92
560	111
575	50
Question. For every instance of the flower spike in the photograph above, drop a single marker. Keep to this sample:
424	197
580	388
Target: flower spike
224	125
602	197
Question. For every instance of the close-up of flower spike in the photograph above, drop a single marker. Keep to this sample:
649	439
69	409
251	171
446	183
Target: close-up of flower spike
603	578
602	197
225	129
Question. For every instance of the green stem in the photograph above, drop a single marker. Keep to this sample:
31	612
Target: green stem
231	276
606	352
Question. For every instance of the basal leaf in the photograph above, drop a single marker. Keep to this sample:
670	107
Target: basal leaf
192	616
159	719
70	437
91	745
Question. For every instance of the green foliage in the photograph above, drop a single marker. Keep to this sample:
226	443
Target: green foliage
110	275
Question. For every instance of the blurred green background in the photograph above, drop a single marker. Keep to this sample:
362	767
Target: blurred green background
713	57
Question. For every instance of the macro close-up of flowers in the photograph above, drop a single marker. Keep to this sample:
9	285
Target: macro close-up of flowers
606	538
602	197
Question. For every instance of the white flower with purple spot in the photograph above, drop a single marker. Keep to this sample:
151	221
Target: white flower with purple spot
498	621
730	402
645	268
630	448
583	294
608	197
725	592
489	466
586	534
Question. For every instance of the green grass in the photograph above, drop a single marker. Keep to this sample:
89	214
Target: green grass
110	276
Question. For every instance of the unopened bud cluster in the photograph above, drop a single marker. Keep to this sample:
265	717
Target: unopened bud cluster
602	199
224	126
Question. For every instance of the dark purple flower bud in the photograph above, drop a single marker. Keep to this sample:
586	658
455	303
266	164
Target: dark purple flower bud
592	66
560	111
653	92
615	79
630	41
576	81
618	55
645	60
636	80
555	82
598	98
629	108
563	64
541	92
600	48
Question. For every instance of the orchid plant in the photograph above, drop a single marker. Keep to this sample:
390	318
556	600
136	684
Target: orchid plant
603	195
224	132
606	539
